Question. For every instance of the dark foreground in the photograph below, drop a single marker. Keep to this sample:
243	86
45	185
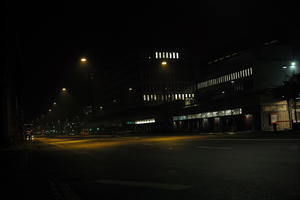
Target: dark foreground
181	167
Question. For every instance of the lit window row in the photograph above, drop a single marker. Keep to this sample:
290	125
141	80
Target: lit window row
229	77
145	121
170	55
166	97
236	111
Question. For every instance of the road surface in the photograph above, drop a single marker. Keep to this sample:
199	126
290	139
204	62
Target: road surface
178	167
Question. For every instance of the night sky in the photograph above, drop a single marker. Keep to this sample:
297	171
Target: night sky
54	36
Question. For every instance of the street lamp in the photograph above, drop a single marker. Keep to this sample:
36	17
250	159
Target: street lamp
64	89
164	63
293	65
54	103
83	60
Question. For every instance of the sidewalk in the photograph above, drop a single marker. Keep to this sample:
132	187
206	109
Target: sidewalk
18	179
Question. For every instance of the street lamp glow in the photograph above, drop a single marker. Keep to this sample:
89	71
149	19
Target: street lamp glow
83	60
64	89
50	110
164	63
130	89
293	63
54	103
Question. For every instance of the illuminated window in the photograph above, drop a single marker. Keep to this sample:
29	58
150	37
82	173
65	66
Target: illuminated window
148	99
151	97
156	55
186	95
177	55
251	70
144	97
193	95
190	95
174	55
170	55
155	97
175	96
163	54
179	96
167	55
159	54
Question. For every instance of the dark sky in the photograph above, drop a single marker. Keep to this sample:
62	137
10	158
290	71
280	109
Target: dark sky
54	35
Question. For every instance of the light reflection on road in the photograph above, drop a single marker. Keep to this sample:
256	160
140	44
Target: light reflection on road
90	143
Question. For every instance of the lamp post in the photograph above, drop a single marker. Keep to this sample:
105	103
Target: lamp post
90	76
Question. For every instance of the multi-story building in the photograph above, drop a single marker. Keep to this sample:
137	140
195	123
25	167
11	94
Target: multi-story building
167	90
236	93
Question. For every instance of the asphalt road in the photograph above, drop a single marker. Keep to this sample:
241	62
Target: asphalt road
190	167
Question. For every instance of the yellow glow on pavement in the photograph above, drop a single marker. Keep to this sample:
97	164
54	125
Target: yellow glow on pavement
91	143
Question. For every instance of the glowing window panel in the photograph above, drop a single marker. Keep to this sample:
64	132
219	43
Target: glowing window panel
145	121
155	97
151	97
159	54
144	97
251	71
227	112
176	96
182	96
167	55
193	95
156	55
163	54
148	98
170	55
177	55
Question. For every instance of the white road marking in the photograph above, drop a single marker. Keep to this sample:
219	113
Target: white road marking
165	186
